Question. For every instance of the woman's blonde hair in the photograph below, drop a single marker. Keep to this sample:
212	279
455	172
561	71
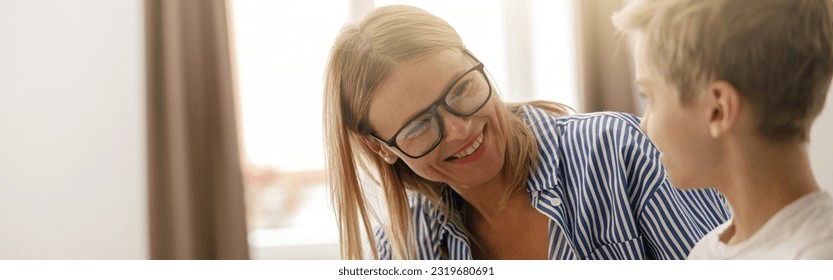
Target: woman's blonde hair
361	58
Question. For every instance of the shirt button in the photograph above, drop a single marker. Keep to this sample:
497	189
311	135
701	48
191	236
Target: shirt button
555	201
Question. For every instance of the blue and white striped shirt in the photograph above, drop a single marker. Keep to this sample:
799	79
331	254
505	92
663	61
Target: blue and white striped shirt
600	182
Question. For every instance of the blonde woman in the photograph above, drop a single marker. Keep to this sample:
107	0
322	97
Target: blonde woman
464	175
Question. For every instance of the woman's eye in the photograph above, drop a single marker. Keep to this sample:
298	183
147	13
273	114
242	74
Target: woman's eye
461	89
416	129
458	91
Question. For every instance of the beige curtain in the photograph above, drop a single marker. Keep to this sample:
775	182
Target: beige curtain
195	180
606	81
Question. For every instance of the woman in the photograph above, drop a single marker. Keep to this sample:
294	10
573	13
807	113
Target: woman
465	176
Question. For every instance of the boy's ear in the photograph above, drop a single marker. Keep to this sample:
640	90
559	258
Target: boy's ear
724	102
382	150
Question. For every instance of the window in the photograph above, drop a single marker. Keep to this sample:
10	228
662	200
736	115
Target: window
282	49
527	45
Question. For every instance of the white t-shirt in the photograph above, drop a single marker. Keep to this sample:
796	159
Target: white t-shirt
802	230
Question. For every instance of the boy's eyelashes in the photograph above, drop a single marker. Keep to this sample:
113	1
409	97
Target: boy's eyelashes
642	95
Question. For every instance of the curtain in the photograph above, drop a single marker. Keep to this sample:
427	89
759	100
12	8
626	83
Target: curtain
606	81
195	183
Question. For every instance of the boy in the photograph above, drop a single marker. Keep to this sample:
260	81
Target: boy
733	88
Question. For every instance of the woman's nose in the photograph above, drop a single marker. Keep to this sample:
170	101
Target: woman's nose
456	127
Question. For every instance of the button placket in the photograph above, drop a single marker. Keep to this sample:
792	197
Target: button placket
555	201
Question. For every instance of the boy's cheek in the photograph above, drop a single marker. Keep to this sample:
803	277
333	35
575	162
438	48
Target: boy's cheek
649	127
646	123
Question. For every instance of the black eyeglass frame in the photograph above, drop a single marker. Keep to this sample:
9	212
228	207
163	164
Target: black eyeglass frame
433	111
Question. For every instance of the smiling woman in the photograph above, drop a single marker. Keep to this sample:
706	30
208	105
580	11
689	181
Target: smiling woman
280	101
465	175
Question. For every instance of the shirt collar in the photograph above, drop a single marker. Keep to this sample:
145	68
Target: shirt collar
544	175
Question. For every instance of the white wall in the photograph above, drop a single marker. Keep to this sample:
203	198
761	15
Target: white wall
821	146
72	133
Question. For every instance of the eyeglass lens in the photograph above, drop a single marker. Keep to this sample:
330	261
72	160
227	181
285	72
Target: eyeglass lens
463	99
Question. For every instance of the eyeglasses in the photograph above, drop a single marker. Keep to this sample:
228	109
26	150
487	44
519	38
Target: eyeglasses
421	134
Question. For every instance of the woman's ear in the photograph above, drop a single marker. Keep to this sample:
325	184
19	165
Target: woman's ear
724	101
380	149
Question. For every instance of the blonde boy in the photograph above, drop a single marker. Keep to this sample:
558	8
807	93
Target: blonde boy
733	87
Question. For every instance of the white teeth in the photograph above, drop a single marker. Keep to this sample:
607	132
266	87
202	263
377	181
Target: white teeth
471	149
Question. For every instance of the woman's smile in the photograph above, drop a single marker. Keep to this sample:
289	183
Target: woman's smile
471	152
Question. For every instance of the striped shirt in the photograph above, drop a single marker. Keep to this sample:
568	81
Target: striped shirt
600	182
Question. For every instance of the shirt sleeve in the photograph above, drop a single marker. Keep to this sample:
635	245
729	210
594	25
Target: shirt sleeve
818	249
671	221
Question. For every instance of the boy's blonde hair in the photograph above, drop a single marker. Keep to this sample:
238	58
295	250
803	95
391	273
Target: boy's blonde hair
361	58
778	54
